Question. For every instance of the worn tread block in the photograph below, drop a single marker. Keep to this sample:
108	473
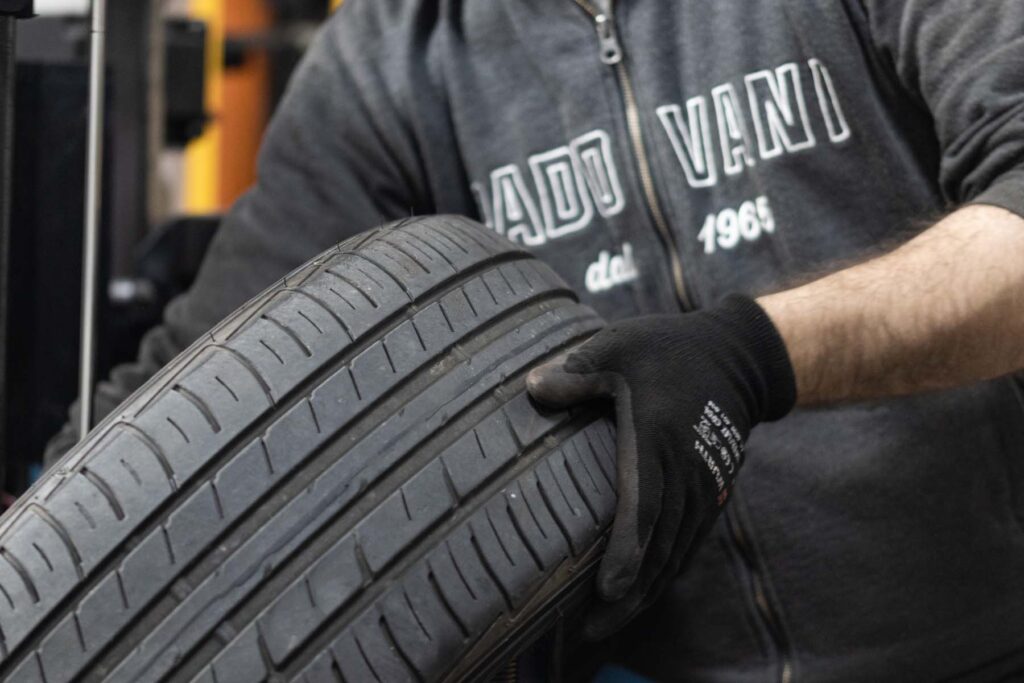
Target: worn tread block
28	672
458	312
530	421
335	401
291	619
194	523
376	643
373	372
468	602
431	326
102	612
135	476
44	555
243	480
336	576
61	651
479	453
566	506
276	356
241	661
146	567
405	348
229	389
545	544
420	625
403	516
581	462
293	437
502	552
88	518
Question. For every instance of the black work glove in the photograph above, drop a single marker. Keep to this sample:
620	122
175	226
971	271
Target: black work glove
688	389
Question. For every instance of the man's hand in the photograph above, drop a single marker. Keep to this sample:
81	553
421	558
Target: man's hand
687	390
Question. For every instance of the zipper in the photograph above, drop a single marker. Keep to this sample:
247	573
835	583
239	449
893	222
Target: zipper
772	621
611	55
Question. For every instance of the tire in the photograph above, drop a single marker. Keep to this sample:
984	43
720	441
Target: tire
344	481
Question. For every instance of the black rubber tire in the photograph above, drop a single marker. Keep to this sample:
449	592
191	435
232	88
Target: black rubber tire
344	481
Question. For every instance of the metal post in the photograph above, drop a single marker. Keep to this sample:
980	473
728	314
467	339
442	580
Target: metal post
93	190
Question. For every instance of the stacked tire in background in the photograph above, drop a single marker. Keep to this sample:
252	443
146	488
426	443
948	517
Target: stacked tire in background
345	481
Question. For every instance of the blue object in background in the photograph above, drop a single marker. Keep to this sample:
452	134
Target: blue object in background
616	674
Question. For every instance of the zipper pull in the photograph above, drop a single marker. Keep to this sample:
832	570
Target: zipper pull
611	51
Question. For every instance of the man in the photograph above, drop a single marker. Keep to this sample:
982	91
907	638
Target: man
662	156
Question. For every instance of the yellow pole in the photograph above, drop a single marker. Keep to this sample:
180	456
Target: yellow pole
202	157
335	4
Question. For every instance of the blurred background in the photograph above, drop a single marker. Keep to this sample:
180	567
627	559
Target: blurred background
191	85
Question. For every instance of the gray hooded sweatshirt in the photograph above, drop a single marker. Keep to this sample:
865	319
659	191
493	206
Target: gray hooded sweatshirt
660	155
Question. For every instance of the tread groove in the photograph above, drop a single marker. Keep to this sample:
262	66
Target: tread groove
131	472
322	304
419	337
558	485
199	405
533	515
336	669
369	276
389	635
444	234
7	595
85	515
369	664
597	458
412	610
290	332
264	344
120	588
217	504
397	280
359	290
490	291
552	512
78	630
49	565
62	534
101	485
312	412
490	570
579	490
403	251
387	354
458	570
302	314
434	249
226	388
443	599
355	384
153	448
497	535
178	428
167	542
266	456
344	298
522	535
251	367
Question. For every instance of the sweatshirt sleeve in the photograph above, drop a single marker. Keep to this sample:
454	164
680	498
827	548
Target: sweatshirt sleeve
964	62
338	158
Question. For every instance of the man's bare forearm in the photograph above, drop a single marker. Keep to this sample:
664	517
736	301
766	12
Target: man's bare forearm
943	310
